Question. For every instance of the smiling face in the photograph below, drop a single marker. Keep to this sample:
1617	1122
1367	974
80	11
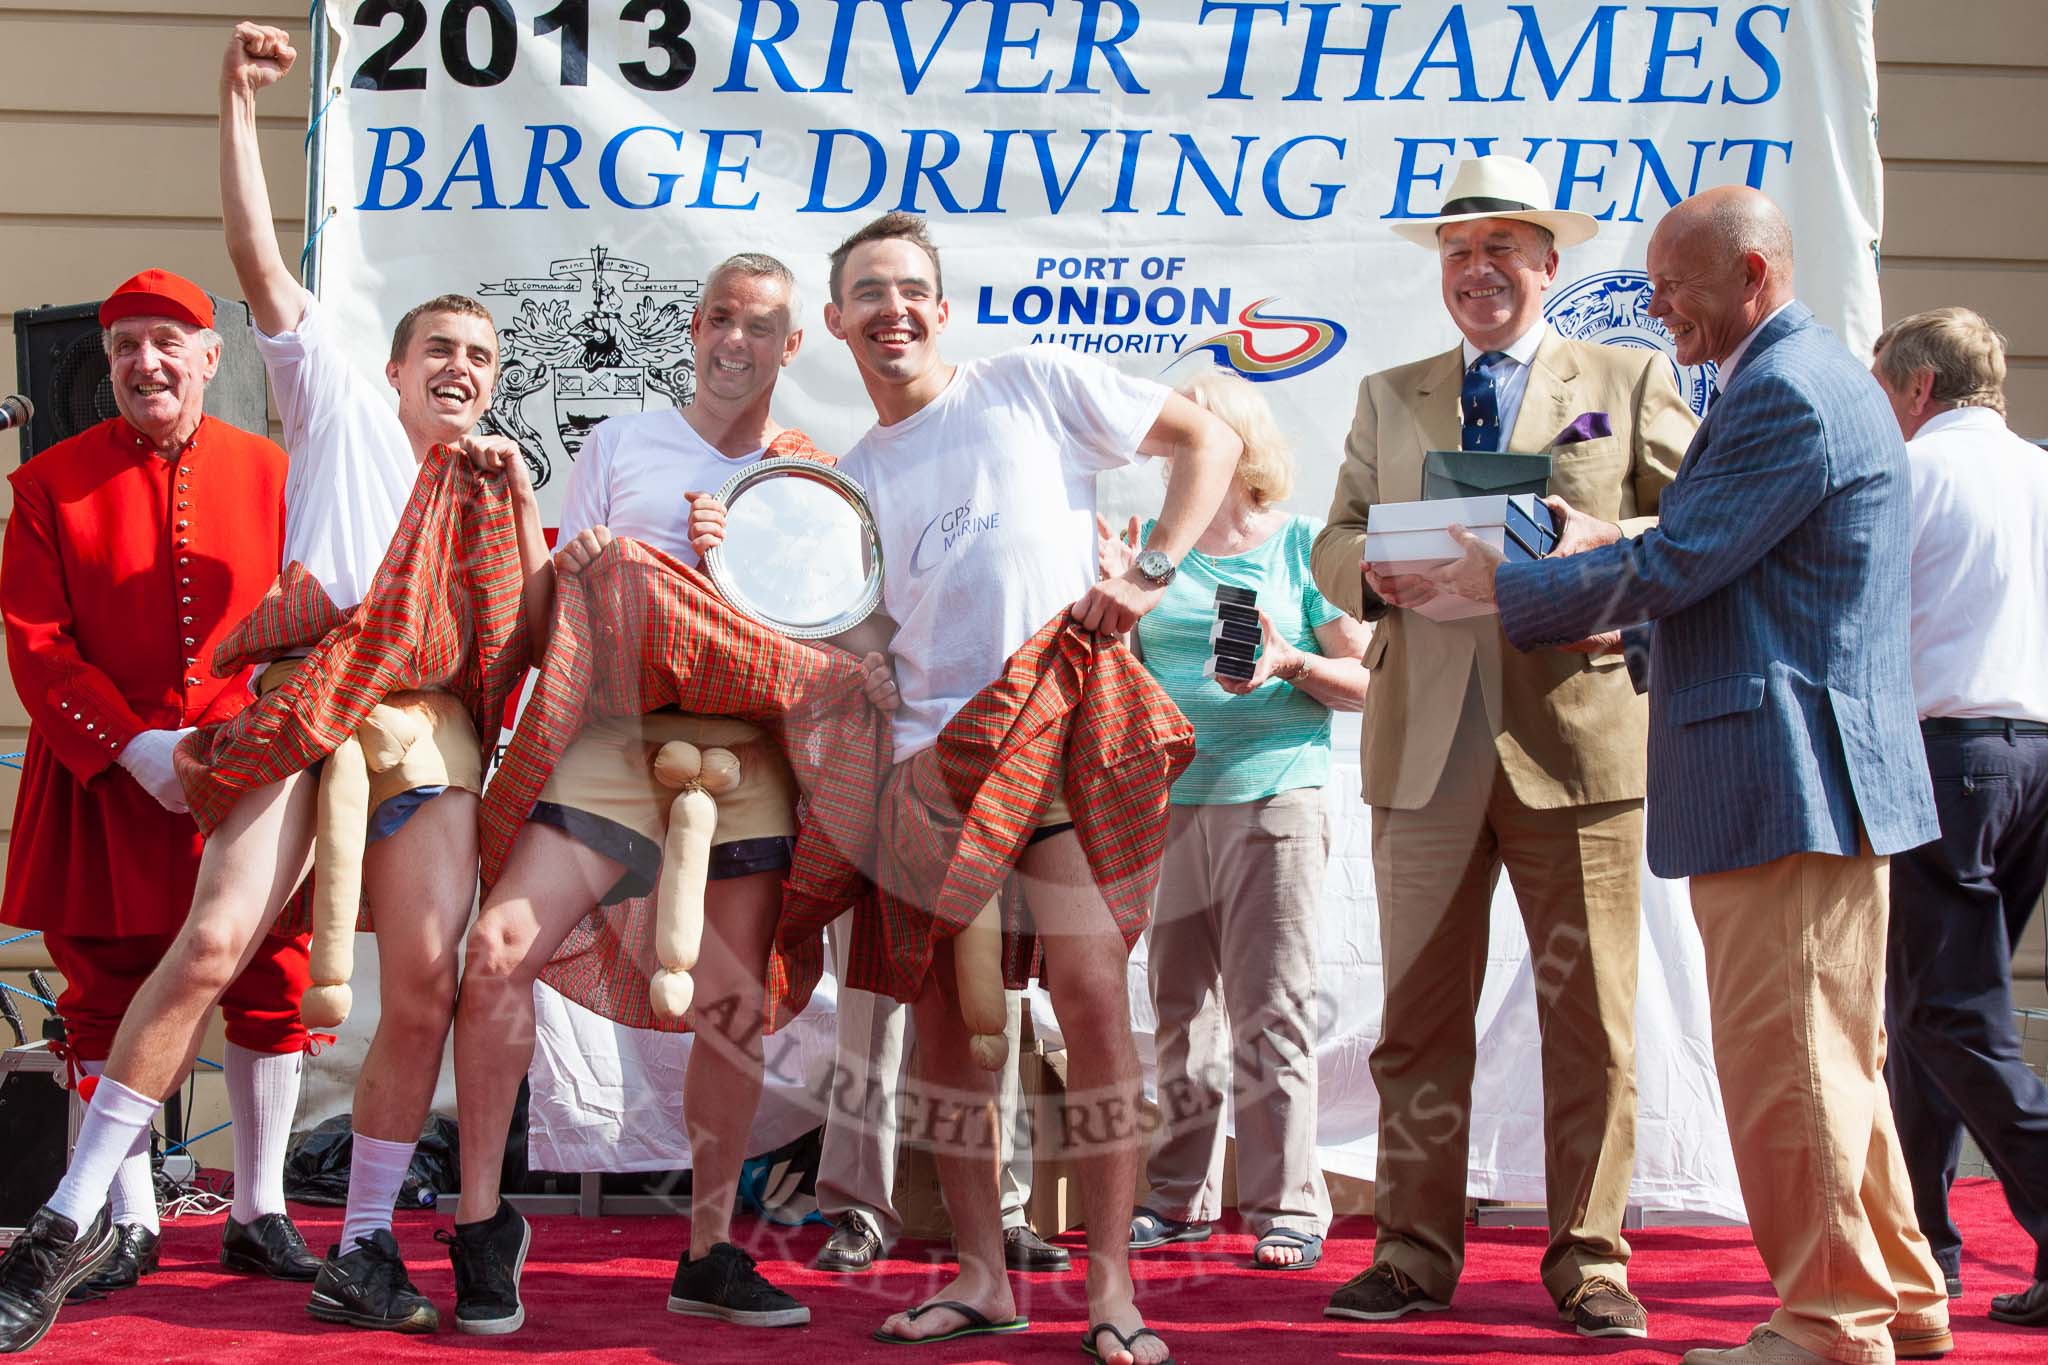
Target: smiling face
160	371
444	377
1495	273
890	314
1708	301
744	335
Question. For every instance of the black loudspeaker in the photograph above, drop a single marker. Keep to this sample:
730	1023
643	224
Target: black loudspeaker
34	1124
63	369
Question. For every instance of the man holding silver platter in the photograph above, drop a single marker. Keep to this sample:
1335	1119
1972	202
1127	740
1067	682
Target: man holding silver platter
608	829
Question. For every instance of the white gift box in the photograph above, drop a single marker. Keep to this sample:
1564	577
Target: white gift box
1414	537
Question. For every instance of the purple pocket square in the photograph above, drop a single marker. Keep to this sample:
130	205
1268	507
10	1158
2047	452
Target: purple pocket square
1587	426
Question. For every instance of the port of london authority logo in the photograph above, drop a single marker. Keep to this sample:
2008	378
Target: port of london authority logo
586	341
1265	347
1613	308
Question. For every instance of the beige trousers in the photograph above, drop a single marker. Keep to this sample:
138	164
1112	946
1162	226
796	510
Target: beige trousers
1795	982
1576	873
1233	967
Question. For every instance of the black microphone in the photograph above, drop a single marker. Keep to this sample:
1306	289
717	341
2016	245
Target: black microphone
15	411
13	1018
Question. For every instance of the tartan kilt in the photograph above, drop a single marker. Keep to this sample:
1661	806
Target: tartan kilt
636	632
1070	715
444	610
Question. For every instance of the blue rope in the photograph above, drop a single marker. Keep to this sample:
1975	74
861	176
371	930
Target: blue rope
13	761
199	1137
30	994
33	933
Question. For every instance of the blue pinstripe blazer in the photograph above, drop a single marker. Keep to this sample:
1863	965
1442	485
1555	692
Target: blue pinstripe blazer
1781	700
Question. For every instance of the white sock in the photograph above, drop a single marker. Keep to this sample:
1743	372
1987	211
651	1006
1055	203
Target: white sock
263	1095
134	1191
376	1170
116	1122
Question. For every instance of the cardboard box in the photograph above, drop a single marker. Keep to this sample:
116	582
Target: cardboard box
1415	537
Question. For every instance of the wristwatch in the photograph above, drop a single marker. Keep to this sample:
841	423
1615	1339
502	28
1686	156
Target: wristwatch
1155	567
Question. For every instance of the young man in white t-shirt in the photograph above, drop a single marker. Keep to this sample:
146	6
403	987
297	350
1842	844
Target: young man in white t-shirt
353	462
982	478
595	834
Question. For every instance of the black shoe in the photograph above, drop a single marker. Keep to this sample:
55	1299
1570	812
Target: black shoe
1954	1284
488	1257
1380	1294
134	1256
268	1244
40	1268
725	1285
1024	1249
2028	1308
852	1247
368	1288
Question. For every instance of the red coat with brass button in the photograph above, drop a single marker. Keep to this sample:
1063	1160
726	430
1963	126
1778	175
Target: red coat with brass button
121	571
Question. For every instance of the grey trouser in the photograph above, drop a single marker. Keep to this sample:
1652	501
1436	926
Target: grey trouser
857	1169
1233	968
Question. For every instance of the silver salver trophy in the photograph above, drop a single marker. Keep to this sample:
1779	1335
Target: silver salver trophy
801	552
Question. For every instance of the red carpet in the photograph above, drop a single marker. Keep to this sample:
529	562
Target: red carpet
597	1289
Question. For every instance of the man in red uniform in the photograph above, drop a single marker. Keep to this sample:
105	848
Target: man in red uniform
132	548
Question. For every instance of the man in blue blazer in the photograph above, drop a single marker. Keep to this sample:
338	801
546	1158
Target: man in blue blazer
1785	762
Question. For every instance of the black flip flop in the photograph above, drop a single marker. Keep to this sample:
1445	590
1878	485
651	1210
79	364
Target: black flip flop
1310	1244
1129	1343
978	1325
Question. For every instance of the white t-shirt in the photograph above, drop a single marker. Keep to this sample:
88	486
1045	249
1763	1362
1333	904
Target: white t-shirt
351	469
1980	541
632	474
986	503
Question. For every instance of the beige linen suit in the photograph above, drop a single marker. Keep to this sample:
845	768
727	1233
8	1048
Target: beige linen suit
1478	756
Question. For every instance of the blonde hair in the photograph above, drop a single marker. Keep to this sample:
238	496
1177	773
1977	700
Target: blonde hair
1965	353
1267	467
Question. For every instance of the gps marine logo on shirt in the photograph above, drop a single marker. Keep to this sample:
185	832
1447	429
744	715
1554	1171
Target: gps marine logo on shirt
947	529
1155	305
1612	307
579	362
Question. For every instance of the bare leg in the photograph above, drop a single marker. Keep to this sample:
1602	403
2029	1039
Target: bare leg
1085	962
959	1117
252	863
723	1086
550	882
421	883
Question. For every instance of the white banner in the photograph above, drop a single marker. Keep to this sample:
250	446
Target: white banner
1163	184
1158	183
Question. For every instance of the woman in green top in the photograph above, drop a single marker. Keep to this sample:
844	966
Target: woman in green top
1234	938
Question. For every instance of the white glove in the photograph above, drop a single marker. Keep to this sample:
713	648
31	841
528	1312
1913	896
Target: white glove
148	760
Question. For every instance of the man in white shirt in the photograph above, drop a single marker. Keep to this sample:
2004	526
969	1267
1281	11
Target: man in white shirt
981	477
1980	677
595	834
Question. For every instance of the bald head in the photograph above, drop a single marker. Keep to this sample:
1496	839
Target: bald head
1721	262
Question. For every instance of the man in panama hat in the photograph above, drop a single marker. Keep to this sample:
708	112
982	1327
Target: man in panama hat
1479	757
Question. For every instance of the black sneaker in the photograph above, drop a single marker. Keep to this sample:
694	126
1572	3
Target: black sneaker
725	1285
488	1257
368	1288
134	1255
40	1268
269	1244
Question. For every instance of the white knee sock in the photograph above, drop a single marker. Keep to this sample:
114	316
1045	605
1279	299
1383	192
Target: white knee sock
376	1170
134	1190
263	1095
116	1125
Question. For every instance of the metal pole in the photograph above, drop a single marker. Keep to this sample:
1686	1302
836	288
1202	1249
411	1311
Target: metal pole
316	140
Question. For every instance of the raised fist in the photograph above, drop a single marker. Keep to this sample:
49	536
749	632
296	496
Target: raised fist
257	56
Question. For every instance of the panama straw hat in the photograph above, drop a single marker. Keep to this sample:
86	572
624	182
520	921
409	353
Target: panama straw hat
1501	187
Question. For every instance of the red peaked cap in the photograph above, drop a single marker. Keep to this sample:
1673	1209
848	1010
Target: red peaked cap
158	294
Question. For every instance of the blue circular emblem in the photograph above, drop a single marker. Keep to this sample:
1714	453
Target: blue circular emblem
1613	308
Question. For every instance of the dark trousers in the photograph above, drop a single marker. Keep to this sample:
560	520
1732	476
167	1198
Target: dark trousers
1959	905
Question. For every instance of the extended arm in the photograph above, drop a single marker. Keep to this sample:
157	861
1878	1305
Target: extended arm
257	57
